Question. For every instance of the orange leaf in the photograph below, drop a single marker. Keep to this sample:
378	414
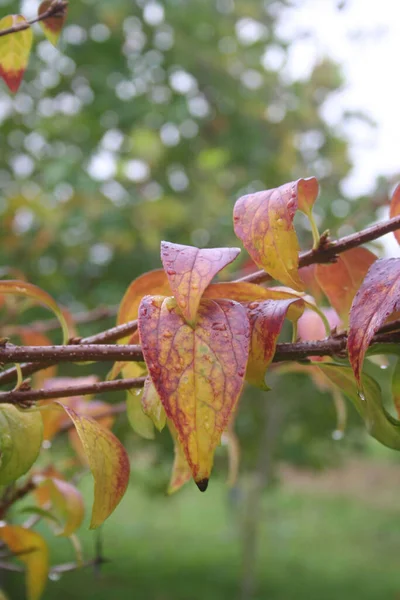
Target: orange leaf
66	500
245	292
198	372
307	275
14	51
266	321
108	462
310	326
264	223
376	299
395	209
31	549
154	282
340	280
52	25
28	290
190	270
307	193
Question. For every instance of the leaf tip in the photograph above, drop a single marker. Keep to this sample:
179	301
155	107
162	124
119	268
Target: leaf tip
202	484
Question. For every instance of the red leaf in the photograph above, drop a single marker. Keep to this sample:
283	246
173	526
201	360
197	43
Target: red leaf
266	321
198	371
52	26
190	270
376	299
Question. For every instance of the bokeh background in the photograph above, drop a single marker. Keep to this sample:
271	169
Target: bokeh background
147	123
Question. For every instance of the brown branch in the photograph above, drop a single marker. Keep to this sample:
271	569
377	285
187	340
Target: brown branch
102	387
56	9
327	251
80	353
17	494
332	346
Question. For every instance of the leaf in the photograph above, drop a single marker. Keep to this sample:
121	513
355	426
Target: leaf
246	292
152	405
264	223
307	275
340	280
28	290
52	26
310	326
138	420
190	270
266	321
21	434
154	282
30	548
376	299
197	372
67	502
396	387
380	424
108	462
181	472
395	209
14	51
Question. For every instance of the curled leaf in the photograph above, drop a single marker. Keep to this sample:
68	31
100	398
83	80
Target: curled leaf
396	387
376	299
266	321
395	209
28	290
66	501
139	421
380	424
108	462
264	223
198	371
190	270
14	51
341	280
21	434
152	405
30	548
52	26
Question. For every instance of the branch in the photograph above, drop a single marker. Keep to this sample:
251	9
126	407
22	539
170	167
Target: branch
56	9
327	251
102	387
332	346
81	353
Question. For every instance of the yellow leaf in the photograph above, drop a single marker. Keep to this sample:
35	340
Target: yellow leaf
14	51
108	462
30	548
138	420
152	405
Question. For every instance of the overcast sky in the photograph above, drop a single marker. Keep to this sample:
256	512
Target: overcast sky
364	37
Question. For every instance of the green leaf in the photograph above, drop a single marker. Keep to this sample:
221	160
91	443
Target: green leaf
380	424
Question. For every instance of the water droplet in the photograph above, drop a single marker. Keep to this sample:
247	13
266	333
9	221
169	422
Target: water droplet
46	444
218	326
137	392
182	303
167	333
279	222
254	305
384	366
195	286
54	576
361	395
337	435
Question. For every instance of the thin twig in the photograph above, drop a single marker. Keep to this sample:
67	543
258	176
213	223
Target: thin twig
328	250
56	9
101	387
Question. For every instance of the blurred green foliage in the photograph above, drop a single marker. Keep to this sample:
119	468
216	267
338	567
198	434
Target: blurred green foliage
147	124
